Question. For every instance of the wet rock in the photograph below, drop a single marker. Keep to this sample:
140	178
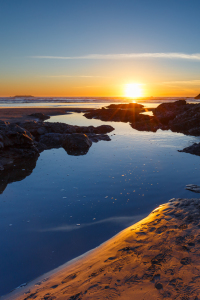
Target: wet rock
168	111
116	112
145	123
193	149
21	143
40	128
76	143
193	188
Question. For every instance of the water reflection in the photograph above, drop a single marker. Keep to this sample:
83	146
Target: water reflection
17	172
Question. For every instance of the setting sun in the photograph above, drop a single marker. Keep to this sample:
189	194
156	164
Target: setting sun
133	90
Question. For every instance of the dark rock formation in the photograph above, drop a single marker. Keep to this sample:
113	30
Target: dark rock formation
197	97
193	149
177	116
168	111
116	112
20	145
76	143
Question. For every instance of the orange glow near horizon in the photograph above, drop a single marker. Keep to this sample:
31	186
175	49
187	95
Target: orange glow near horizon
92	87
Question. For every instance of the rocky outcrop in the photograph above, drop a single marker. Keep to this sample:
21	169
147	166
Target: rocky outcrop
193	149
76	143
117	112
197	97
177	116
21	143
168	111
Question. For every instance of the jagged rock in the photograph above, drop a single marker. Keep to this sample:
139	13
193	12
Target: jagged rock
13	135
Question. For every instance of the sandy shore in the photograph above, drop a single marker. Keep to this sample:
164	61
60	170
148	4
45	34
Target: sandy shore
21	114
156	258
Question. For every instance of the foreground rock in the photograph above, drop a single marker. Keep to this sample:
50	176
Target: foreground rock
21	143
157	258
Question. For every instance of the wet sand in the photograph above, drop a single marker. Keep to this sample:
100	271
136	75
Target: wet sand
156	258
21	114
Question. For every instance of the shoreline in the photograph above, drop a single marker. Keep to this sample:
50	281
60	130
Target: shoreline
12	114
156	258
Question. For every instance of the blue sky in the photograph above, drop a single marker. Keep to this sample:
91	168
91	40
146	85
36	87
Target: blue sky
66	28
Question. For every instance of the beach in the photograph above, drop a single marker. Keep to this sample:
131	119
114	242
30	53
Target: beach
21	114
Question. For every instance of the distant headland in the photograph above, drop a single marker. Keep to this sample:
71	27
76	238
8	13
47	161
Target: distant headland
23	96
197	97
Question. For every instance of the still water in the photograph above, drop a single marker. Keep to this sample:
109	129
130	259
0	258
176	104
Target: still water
71	204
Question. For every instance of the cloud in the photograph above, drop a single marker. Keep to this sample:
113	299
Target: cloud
185	82
72	76
127	221
173	55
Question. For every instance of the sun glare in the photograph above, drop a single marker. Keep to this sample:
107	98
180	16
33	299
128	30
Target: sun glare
133	90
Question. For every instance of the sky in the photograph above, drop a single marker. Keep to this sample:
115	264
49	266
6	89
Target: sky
96	48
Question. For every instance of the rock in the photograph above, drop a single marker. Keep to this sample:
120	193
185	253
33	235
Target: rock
145	123
98	137
26	140
168	111
193	149
116	112
40	128
193	188
103	129
40	116
76	143
197	97
51	140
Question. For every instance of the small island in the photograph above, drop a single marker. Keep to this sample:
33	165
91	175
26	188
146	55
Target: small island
23	96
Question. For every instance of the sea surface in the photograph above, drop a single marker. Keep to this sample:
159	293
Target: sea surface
71	204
